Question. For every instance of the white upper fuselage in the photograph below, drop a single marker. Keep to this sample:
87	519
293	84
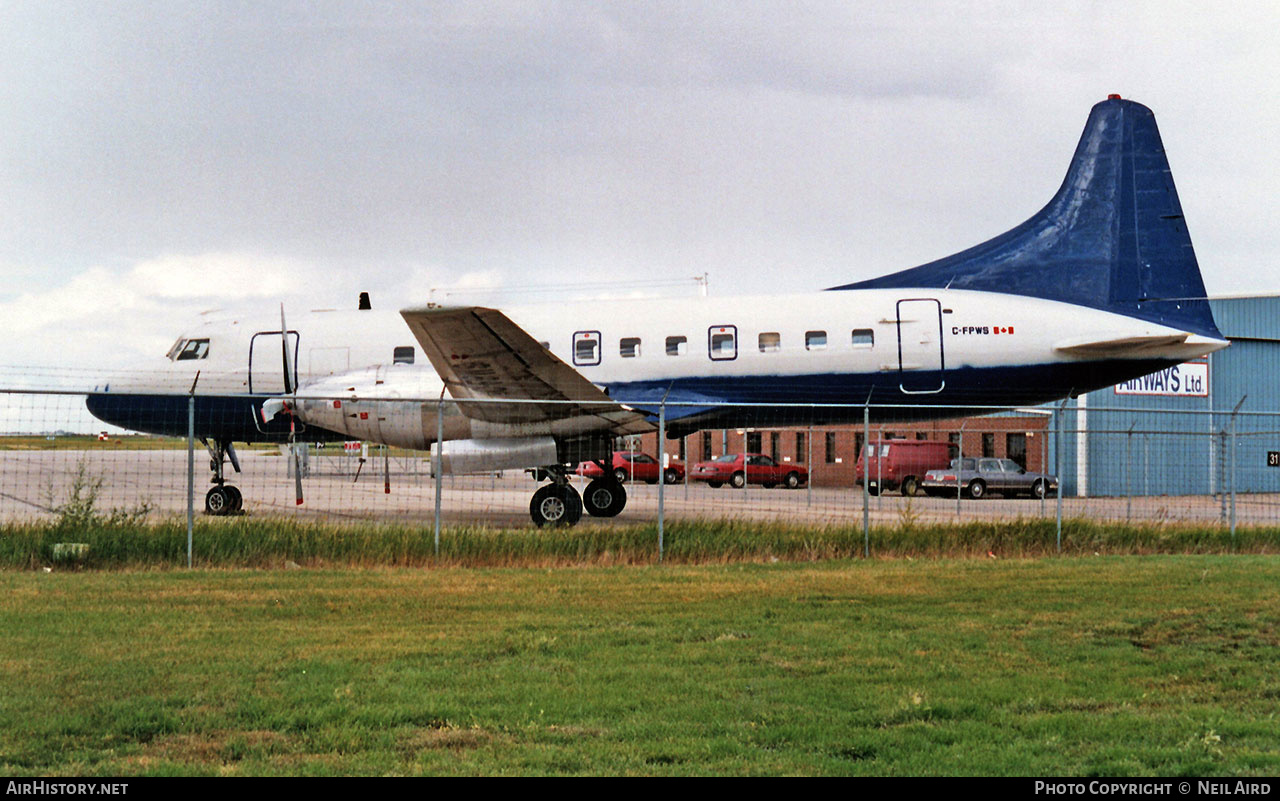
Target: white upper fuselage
856	332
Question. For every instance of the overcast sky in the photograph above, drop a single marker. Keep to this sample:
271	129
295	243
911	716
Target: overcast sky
157	159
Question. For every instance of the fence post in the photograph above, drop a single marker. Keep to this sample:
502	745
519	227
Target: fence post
866	479
662	470
1128	472
1060	413
438	464
960	467
1234	413
808	464
191	470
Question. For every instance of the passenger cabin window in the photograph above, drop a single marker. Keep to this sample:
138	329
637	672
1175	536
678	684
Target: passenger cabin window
815	340
194	349
402	355
586	348
677	346
863	337
722	342
770	342
629	347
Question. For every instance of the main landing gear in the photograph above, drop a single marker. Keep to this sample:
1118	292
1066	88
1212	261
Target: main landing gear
559	504
222	498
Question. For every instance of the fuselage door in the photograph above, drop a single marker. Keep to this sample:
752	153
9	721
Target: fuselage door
921	366
266	363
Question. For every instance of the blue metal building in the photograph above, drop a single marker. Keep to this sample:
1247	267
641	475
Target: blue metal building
1171	433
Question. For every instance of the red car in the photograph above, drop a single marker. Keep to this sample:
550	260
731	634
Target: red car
760	469
635	466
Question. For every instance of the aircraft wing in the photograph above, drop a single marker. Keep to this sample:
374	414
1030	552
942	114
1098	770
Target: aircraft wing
484	357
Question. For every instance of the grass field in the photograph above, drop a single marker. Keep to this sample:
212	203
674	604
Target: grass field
1089	665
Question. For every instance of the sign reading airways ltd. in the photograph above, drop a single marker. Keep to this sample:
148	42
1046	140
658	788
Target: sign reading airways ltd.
1189	379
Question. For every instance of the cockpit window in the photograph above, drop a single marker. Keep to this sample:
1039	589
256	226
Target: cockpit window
191	349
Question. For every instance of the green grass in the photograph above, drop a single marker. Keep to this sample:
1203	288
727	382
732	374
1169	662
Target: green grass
1079	666
125	540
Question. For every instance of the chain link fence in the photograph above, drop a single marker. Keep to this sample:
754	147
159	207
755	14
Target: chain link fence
1155	466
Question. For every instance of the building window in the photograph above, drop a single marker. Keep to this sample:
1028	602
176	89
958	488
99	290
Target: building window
677	346
706	445
629	347
988	445
683	458
753	442
773	446
815	340
863	338
770	342
402	355
831	447
922	435
801	456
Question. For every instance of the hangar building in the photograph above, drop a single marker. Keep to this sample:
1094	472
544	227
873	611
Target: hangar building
1171	433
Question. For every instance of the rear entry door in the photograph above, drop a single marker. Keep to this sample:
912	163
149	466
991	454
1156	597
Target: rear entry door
921	367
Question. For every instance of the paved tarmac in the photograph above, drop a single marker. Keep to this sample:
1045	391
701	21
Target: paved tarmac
34	484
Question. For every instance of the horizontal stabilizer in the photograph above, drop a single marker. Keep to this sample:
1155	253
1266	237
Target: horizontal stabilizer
1179	345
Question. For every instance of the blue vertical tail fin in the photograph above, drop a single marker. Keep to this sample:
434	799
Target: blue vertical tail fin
1112	238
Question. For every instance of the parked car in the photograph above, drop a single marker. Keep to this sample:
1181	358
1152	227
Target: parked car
977	477
760	469
635	466
900	463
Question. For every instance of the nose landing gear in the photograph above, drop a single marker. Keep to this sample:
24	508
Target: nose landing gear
222	498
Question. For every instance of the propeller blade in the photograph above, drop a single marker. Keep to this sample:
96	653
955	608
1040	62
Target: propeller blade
289	388
297	462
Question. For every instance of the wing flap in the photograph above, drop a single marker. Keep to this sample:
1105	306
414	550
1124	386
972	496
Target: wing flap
509	378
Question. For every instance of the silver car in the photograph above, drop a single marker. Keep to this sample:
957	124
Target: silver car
977	477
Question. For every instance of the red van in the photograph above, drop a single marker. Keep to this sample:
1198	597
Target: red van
900	463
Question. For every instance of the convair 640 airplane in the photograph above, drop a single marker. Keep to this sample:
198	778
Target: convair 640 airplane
1098	287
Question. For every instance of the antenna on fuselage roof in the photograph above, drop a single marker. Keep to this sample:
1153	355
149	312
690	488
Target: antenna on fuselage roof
364	302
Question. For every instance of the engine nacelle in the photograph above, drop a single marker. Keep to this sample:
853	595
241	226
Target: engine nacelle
489	455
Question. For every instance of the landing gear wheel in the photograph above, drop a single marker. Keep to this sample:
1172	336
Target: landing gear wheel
219	501
604	498
555	505
237	500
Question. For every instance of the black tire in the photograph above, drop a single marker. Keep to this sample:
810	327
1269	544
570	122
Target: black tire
873	488
555	505
792	481
715	484
977	489
604	497
1039	489
910	486
738	480
218	501
237	500
620	475
670	475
